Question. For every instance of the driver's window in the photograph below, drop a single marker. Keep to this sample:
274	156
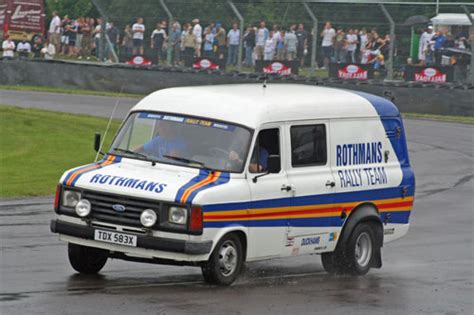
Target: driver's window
268	143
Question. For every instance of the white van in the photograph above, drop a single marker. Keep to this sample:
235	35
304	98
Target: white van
215	176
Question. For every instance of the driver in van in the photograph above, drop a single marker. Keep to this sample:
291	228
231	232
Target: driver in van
164	143
258	162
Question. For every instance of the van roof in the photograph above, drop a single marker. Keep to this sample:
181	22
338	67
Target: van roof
253	104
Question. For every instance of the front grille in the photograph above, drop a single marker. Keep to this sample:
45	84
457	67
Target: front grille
102	208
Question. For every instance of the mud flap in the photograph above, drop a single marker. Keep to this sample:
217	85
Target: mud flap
377	259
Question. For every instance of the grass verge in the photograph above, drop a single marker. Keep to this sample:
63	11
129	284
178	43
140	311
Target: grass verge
65	91
37	146
447	118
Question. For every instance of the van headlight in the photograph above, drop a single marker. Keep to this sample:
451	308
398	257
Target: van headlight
178	215
83	208
148	218
70	198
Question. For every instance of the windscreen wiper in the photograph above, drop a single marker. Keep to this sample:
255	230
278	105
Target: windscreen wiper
138	154
187	161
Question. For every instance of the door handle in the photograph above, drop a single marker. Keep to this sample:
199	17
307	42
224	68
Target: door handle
286	187
330	184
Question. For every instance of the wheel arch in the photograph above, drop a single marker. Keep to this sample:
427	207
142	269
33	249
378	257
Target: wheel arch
364	212
240	231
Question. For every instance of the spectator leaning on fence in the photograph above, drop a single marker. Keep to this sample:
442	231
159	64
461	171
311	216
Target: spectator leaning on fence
138	32
174	43
249	44
54	32
233	40
261	37
221	41
269	50
328	34
23	48
302	48
158	38
197	31
189	45
291	43
8	47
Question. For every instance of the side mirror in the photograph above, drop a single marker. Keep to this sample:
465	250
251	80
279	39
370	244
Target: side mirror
97	142
274	164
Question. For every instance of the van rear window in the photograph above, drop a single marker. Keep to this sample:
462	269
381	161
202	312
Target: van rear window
308	145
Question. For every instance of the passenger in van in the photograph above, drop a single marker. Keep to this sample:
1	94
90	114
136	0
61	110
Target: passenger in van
165	142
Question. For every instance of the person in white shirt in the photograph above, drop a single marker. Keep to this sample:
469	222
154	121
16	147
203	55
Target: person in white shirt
55	30
49	50
24	48
425	40
158	39
233	40
261	37
97	32
8	47
328	35
138	31
269	49
197	31
352	41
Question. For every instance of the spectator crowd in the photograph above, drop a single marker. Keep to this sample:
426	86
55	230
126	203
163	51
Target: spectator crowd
180	44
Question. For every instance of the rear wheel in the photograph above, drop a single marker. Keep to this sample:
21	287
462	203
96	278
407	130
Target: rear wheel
356	256
225	263
86	260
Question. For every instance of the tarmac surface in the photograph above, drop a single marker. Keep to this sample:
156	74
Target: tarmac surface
429	271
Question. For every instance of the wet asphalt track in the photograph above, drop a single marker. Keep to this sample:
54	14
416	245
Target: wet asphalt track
428	271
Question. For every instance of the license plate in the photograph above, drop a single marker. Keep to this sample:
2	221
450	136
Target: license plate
115	238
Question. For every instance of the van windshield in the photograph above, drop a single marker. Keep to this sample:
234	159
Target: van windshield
182	140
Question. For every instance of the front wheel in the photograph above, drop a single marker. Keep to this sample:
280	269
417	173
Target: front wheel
86	260
225	263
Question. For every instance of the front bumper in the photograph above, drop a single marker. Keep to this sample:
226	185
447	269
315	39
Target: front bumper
143	241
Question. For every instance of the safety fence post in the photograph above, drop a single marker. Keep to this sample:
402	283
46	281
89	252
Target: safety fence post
315	38
170	29
389	63
241	38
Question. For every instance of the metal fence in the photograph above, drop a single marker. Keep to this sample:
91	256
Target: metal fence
387	17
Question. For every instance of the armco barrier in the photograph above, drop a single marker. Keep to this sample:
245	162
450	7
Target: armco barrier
426	98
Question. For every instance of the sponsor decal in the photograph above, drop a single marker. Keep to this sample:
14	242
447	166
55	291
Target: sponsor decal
205	63
188	121
295	251
333	236
430	75
357	154
310	241
128	182
277	67
139	61
352	72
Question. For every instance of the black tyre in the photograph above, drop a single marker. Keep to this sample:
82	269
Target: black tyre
86	260
356	256
360	250
225	263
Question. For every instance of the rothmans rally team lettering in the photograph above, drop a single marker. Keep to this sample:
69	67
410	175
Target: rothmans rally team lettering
360	154
128	182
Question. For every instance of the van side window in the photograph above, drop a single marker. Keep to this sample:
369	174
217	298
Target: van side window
308	145
268	143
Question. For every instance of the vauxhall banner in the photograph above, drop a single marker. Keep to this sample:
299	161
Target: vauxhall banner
282	67
138	60
351	71
434	74
209	63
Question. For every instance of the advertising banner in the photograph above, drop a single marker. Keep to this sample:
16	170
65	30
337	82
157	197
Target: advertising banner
351	71
434	74
209	63
282	67
26	16
138	60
